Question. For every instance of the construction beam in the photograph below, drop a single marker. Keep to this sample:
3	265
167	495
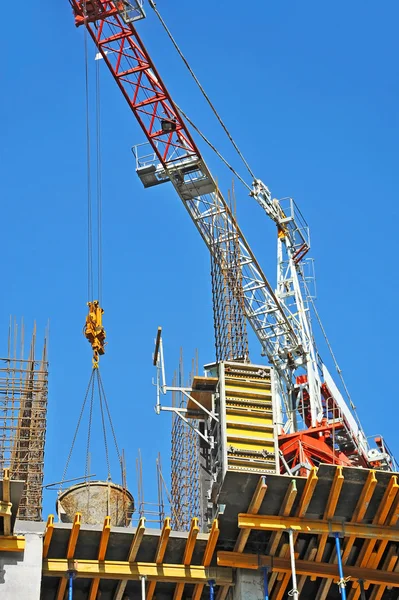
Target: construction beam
12	543
285	510
306	567
48	535
134	548
358	515
107	569
316	526
391	522
391	563
102	550
380	517
159	554
304	502
188	554
73	538
208	554
5	504
253	509
329	512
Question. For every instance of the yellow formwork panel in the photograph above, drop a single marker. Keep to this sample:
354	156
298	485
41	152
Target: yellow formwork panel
251	445
249	419
245	390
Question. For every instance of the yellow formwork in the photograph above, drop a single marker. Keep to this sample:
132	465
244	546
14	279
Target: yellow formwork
250	431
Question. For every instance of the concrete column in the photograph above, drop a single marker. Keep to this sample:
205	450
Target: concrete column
248	585
21	573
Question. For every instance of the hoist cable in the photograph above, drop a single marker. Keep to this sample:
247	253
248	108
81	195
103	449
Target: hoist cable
104	427
88	158
228	165
89	427
109	417
99	182
193	75
339	371
76	430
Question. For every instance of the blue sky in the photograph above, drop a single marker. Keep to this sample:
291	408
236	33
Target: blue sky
310	93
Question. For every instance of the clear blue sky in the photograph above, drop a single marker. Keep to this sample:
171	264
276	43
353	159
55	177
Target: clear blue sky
310	91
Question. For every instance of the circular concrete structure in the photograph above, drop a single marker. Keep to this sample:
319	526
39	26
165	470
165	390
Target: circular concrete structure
96	500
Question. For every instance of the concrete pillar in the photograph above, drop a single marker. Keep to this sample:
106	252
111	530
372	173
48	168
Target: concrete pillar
21	573
248	585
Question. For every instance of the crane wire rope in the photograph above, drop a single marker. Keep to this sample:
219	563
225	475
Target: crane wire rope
95	371
99	183
104	430
76	430
207	98
90	282
215	150
89	427
329	346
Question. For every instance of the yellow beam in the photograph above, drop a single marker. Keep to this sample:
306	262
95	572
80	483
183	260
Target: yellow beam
12	543
307	493
73	538
305	500
253	509
358	515
243	536
108	569
316	526
222	593
159	554
392	520
134	548
188	554
332	502
306	567
6	508
102	550
286	508
275	538
389	565
380	517
48	535
208	554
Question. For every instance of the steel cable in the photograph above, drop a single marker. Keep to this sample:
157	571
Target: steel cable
76	430
193	75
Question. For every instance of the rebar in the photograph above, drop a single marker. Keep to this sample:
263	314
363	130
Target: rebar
23	417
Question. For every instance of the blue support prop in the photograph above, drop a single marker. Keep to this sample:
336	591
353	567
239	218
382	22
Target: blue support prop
266	582
211	589
70	590
342	585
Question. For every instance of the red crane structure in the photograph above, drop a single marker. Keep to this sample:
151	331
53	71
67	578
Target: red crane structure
314	422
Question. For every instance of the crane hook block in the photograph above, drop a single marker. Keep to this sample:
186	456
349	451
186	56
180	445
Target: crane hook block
94	330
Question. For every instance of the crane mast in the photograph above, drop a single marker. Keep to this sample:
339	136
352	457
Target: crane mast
280	318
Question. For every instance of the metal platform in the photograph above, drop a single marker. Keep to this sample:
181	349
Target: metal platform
361	504
175	564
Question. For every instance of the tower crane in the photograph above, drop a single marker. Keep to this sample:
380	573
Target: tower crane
311	410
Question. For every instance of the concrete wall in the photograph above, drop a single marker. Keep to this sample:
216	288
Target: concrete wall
21	573
248	585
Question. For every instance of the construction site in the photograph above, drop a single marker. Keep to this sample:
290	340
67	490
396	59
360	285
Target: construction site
269	487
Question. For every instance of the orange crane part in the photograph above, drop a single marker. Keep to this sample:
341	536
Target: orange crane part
94	331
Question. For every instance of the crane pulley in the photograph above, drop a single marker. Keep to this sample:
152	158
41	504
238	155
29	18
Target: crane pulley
94	331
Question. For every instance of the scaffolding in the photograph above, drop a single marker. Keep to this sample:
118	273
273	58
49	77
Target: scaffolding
231	339
23	411
185	468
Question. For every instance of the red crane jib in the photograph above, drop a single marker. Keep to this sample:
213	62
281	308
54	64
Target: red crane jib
135	73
